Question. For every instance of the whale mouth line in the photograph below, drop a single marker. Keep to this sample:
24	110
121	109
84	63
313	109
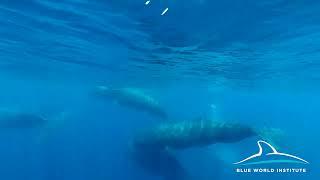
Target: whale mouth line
274	152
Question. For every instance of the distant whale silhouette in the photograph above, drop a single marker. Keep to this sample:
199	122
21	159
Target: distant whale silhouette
285	158
133	98
22	121
16	119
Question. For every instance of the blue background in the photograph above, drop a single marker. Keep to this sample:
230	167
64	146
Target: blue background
256	61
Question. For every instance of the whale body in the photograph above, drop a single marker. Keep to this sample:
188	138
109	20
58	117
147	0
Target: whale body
160	162
186	134
175	135
15	119
133	98
152	147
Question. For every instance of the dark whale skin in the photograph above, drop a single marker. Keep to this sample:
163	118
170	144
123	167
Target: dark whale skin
159	162
186	134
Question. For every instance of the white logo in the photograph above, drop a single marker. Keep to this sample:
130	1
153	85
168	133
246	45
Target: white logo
286	158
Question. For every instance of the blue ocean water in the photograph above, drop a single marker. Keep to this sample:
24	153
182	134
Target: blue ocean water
252	62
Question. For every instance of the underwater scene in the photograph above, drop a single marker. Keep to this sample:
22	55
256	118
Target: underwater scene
159	89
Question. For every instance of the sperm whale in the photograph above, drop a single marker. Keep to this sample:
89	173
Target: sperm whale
134	98
203	132
16	119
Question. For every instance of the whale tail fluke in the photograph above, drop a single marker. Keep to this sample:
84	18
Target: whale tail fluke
271	135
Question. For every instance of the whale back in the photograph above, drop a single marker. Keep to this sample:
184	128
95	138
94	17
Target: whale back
186	134
133	98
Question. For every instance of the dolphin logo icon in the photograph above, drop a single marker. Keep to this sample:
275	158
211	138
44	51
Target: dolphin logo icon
289	158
